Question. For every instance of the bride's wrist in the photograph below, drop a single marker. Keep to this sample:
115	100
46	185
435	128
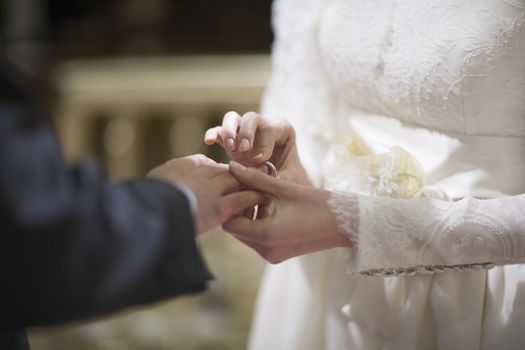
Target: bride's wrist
335	236
339	238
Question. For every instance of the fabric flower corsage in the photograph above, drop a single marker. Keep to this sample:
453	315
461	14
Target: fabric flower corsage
351	166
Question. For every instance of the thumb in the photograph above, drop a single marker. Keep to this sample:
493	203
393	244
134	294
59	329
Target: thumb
264	145
255	179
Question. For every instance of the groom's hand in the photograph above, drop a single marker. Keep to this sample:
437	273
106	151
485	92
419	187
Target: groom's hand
218	193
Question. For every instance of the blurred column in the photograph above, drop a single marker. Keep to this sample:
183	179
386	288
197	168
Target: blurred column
74	123
186	133
122	141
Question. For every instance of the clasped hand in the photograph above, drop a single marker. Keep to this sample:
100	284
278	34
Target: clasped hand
218	194
297	219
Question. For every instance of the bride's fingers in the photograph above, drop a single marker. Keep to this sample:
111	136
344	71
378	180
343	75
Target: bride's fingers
245	228
273	255
230	125
264	145
256	246
213	135
256	180
249	124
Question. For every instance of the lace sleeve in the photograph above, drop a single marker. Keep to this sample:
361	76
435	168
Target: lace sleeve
423	235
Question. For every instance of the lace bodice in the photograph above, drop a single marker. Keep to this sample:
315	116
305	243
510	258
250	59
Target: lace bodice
457	66
453	67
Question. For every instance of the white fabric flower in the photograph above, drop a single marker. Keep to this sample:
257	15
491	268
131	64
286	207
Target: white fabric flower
351	166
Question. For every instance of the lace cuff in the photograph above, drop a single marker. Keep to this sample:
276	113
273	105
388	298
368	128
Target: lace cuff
345	208
408	236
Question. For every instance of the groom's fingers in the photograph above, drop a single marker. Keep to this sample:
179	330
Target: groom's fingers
257	180
236	203
226	183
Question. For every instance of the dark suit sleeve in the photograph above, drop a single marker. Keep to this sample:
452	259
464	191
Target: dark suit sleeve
73	245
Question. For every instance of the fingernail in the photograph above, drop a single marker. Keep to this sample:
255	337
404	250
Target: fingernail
245	145
230	144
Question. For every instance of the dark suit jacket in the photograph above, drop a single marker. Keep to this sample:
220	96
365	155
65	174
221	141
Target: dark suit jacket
73	245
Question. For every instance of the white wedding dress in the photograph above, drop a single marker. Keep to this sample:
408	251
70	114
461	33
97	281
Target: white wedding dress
413	112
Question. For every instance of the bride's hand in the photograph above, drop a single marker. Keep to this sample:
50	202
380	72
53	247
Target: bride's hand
300	222
252	140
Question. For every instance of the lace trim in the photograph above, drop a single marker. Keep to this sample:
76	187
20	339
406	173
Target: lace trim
426	270
432	235
345	208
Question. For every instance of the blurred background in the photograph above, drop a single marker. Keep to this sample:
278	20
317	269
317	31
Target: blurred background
133	83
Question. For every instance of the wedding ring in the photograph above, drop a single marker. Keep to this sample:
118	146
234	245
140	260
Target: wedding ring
272	170
255	212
